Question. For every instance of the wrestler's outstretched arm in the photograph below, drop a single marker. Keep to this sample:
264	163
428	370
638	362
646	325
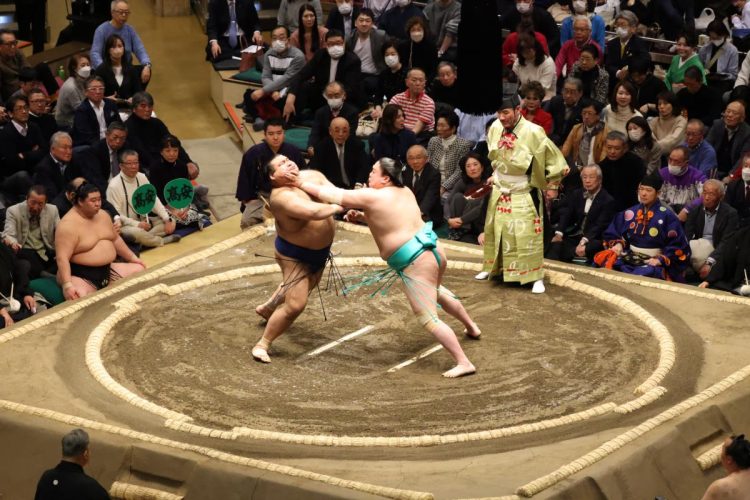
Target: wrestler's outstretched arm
300	208
349	198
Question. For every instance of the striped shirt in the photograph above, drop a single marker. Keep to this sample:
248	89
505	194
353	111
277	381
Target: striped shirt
420	110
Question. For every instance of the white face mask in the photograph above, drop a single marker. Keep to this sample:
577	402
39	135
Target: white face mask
417	36
675	170
336	103
635	135
746	174
622	32
402	3
336	51
579	6
345	8
718	42
278	45
523	7
84	71
391	61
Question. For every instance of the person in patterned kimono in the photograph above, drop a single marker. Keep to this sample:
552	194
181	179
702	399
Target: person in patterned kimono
646	239
523	158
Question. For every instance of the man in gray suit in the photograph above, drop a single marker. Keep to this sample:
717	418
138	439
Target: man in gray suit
367	42
30	231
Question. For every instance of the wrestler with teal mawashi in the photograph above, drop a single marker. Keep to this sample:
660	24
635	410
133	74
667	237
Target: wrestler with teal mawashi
411	249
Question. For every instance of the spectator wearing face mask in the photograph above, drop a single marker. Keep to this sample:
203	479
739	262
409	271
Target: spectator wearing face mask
540	19
393	21
334	63
288	13
583	8
391	80
343	17
626	47
418	51
72	92
335	107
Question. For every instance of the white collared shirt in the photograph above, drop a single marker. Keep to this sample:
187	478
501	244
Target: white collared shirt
99	112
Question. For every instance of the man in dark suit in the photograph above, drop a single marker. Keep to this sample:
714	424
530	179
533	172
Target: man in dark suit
343	17
424	180
336	107
584	215
21	148
224	38
38	114
622	171
732	263
306	90
100	162
729	136
566	110
698	99
708	225
341	157
738	197
57	168
626	47
93	115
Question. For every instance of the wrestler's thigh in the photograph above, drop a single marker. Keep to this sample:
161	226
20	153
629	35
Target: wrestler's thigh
422	282
443	262
81	286
125	269
296	282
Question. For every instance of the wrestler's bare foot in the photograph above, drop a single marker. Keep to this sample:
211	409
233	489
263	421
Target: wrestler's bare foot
264	311
260	354
474	332
460	371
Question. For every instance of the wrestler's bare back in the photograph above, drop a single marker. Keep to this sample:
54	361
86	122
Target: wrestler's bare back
312	234
94	237
393	216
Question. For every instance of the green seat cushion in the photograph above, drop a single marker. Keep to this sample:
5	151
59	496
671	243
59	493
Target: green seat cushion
297	137
252	75
49	288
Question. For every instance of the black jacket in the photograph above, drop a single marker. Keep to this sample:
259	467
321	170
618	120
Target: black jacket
573	218
732	260
85	125
427	192
356	162
735	197
48	175
335	20
131	81
560	126
95	163
323	118
218	18
636	48
68	480
47	124
725	224
12	143
317	69
621	179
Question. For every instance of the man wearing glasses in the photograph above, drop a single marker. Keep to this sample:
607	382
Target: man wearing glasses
93	115
133	44
11	62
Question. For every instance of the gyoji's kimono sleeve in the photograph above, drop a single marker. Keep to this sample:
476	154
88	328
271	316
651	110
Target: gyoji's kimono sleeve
675	250
548	165
617	231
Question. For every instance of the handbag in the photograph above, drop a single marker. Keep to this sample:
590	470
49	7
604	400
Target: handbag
249	60
366	125
706	17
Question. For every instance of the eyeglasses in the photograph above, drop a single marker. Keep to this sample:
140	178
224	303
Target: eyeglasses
12	43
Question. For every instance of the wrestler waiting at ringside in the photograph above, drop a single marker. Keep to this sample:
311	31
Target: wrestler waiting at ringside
410	248
304	232
86	246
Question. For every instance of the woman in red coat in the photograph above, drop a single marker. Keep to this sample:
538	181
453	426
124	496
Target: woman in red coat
533	93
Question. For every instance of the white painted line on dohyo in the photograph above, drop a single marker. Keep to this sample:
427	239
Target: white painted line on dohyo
416	358
343	339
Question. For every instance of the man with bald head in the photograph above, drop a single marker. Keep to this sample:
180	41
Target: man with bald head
341	157
336	106
424	180
729	136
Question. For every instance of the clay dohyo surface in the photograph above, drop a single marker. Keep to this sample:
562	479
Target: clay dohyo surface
539	357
